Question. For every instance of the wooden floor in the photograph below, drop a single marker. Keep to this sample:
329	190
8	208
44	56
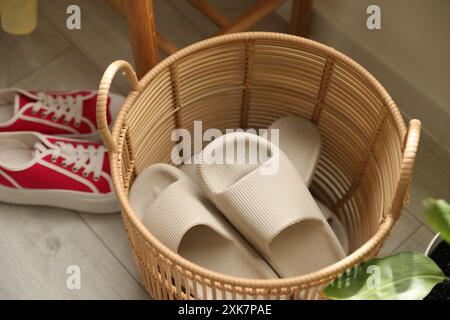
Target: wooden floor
38	244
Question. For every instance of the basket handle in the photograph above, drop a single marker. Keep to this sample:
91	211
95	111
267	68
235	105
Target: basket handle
410	146
102	98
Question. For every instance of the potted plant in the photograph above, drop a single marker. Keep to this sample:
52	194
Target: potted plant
438	215
404	275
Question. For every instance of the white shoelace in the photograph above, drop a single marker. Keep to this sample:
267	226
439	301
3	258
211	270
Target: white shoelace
90	158
71	107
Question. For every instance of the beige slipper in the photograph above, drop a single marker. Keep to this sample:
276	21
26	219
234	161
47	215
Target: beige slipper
334	222
190	170
336	225
176	212
272	209
300	141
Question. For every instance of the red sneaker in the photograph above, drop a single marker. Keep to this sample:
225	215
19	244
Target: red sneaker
42	170
67	113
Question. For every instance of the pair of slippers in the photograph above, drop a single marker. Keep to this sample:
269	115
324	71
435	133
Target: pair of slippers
241	221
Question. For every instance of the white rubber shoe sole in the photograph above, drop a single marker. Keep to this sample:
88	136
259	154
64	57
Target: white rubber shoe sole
72	200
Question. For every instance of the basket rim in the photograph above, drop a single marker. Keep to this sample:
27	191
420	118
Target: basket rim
306	280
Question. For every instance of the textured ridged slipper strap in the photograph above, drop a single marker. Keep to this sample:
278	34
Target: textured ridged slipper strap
261	205
177	209
265	205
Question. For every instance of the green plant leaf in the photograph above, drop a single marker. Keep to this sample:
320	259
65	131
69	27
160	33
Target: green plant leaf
403	276
438	216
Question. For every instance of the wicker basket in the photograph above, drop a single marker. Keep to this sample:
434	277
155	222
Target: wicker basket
247	80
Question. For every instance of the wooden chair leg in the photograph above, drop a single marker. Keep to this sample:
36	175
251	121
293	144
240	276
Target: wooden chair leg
141	25
301	17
